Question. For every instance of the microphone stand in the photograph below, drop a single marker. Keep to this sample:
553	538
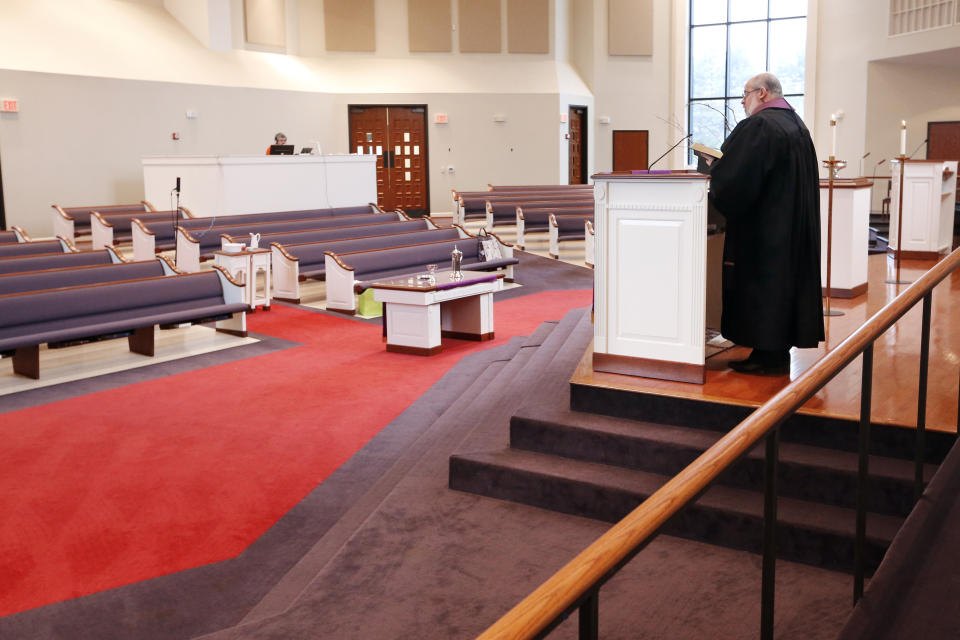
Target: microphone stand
176	216
689	135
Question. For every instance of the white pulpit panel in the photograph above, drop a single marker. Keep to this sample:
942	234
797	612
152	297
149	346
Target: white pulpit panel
648	280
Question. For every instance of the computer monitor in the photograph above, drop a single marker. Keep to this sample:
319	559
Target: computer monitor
281	149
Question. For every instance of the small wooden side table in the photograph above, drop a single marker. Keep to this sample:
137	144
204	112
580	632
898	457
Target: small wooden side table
244	266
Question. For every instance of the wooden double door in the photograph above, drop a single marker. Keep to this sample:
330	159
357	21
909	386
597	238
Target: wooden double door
397	134
577	161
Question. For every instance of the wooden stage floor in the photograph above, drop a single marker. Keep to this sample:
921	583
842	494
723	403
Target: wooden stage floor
896	360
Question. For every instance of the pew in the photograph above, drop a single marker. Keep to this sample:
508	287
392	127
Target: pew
19	264
71	222
294	263
541	187
112	228
505	211
530	220
36	247
589	244
13	235
351	273
58	278
568	227
61	317
334	233
475	206
192	247
148	238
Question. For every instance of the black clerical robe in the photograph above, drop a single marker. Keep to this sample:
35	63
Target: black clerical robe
767	186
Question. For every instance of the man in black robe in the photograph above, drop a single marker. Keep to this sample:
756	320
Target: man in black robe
767	186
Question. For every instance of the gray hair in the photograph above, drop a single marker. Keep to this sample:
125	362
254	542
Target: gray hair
769	82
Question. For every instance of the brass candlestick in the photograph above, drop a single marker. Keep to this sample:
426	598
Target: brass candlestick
902	159
833	167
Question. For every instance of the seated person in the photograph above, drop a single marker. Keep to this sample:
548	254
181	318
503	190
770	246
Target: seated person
280	138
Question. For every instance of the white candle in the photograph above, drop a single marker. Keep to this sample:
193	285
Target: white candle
833	136
903	137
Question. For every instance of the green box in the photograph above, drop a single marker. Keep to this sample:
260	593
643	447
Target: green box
367	306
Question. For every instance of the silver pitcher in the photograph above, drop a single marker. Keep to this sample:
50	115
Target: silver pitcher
456	259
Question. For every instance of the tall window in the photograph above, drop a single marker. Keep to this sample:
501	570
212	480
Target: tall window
731	41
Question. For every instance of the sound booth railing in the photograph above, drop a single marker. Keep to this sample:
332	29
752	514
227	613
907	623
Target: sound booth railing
576	586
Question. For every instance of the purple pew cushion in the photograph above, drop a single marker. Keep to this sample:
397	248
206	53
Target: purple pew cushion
58	278
53	261
68	314
336	233
313	260
30	248
81	215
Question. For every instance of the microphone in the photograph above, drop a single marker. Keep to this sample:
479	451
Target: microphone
689	135
882	160
177	188
918	147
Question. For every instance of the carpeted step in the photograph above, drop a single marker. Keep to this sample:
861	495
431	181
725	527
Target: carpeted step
805	472
876	243
816	430
495	407
811	533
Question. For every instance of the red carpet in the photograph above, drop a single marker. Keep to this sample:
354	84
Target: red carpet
124	485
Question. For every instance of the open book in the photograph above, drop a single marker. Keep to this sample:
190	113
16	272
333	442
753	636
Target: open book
702	149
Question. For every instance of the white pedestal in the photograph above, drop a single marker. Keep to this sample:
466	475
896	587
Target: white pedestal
929	197
851	235
243	266
650	274
223	185
418	314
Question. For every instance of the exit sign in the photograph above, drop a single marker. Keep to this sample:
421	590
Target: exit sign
9	105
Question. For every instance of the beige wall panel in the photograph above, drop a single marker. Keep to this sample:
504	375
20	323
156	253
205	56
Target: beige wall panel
310	25
265	22
630	27
349	25
429	24
479	26
528	26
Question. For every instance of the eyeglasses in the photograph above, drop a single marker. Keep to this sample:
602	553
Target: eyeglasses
746	93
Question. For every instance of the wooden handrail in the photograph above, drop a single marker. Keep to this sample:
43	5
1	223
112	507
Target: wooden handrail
598	562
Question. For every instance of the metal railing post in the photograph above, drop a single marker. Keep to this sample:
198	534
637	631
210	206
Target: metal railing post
767	592
590	617
863	472
922	397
